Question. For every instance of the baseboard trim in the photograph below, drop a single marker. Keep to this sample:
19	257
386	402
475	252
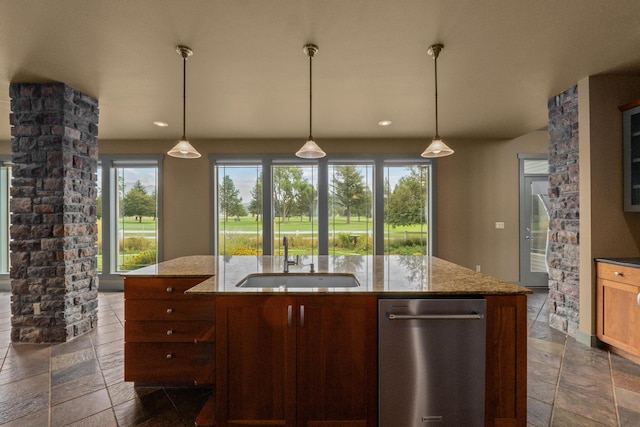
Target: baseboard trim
586	339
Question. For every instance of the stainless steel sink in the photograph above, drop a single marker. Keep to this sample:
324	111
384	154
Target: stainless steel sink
299	280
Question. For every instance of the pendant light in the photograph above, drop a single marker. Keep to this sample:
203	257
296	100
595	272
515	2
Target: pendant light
310	150
183	149
437	148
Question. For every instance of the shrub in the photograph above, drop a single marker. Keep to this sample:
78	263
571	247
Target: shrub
137	244
141	260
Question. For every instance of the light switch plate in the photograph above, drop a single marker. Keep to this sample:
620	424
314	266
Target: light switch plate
499	225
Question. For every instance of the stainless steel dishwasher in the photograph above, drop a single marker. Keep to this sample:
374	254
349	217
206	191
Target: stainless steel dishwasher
431	362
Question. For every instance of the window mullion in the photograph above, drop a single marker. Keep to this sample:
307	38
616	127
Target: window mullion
378	207
323	207
267	207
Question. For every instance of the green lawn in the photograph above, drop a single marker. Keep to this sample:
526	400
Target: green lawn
405	239
339	224
241	236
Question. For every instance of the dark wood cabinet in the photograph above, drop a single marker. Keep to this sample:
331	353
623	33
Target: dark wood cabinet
169	336
506	372
296	361
618	308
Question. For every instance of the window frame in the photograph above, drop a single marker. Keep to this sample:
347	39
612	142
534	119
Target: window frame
108	165
323	187
5	220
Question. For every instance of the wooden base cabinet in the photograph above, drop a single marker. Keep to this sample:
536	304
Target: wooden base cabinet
296	361
618	308
169	336
506	373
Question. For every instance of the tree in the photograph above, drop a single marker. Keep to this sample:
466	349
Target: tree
229	199
364	204
407	202
304	199
255	206
348	189
138	203
286	187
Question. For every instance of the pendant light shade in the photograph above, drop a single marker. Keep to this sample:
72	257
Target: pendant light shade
437	148
183	149
310	150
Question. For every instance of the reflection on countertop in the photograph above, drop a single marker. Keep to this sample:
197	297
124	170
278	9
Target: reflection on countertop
377	274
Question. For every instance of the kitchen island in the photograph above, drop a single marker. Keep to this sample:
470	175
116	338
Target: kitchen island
304	356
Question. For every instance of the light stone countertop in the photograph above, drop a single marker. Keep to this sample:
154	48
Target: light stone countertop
394	274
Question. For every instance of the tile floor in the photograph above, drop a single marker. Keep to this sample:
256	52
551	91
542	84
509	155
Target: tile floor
80	383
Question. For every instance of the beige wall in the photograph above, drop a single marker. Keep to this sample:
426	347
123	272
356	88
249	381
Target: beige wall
186	189
477	187
605	230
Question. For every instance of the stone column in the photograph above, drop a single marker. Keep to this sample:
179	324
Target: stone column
564	212
54	151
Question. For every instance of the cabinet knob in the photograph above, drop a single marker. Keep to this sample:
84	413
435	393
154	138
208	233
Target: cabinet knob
617	273
169	290
169	332
169	356
169	310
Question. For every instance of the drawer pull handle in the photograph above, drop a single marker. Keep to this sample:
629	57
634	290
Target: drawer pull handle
169	332
169	356
617	273
169	310
638	299
169	290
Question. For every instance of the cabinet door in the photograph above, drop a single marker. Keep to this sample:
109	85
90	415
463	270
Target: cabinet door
336	369
619	315
506	374
255	354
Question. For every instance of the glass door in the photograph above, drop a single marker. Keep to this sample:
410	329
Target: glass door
534	222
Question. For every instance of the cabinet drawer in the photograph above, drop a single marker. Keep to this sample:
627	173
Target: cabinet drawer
159	287
196	331
170	310
171	363
618	273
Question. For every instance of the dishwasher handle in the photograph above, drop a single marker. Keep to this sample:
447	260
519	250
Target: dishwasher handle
471	316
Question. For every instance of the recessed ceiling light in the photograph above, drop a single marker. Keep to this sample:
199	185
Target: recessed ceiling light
384	123
161	124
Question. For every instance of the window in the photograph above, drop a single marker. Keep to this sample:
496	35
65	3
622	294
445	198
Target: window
406	209
295	208
350	208
239	201
337	206
128	213
5	181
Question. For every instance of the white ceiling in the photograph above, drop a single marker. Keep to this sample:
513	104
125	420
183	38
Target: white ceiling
248	77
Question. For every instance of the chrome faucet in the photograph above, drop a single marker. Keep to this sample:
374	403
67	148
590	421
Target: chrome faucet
287	261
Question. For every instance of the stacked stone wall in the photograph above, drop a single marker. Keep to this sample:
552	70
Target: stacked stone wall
564	221
53	212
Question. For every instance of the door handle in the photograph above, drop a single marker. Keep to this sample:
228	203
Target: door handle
289	315
302	316
472	316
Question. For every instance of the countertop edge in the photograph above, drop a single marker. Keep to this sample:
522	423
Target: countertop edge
625	262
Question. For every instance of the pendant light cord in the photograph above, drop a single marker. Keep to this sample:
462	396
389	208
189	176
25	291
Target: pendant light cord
310	95
435	68
184	97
